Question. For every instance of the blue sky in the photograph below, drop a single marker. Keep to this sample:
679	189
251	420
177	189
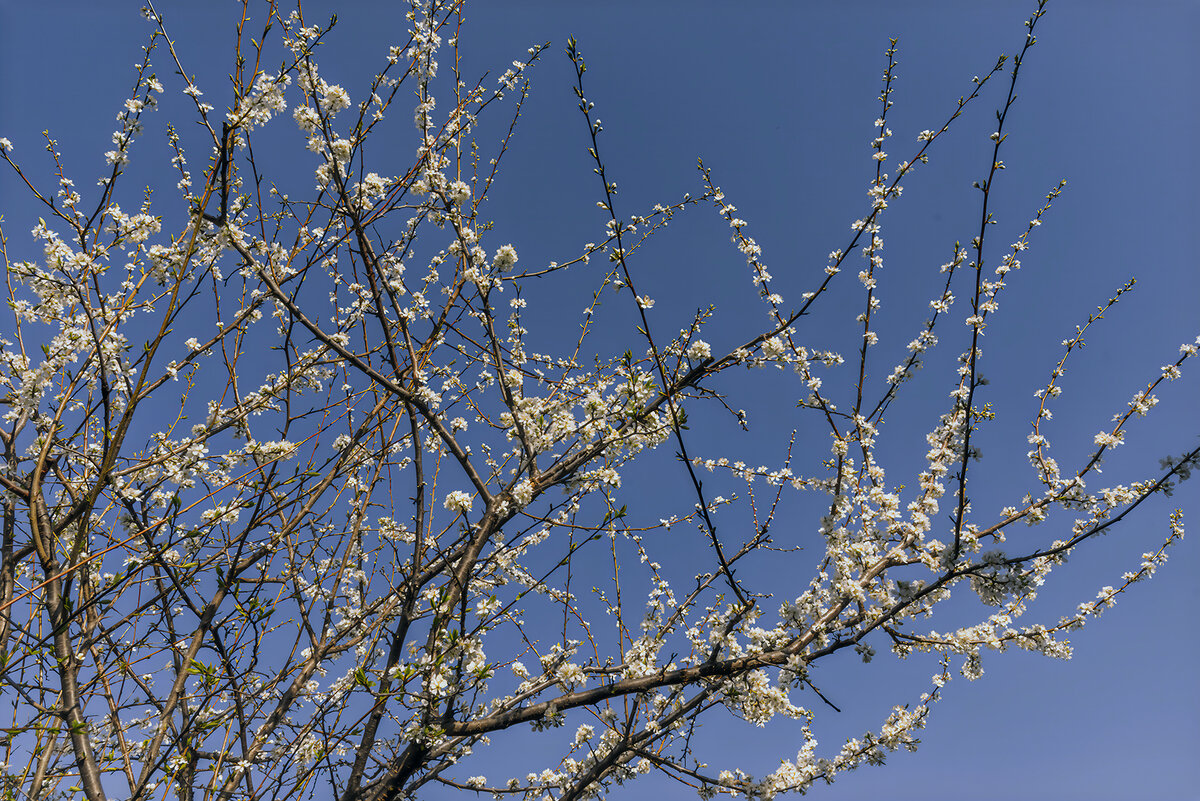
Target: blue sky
779	99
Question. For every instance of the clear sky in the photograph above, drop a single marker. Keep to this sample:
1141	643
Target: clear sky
778	99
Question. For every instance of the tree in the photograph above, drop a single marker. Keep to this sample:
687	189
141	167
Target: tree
331	491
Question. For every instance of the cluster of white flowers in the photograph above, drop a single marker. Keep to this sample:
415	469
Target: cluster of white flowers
457	501
264	101
504	259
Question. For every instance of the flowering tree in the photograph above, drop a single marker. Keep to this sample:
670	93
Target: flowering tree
296	504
